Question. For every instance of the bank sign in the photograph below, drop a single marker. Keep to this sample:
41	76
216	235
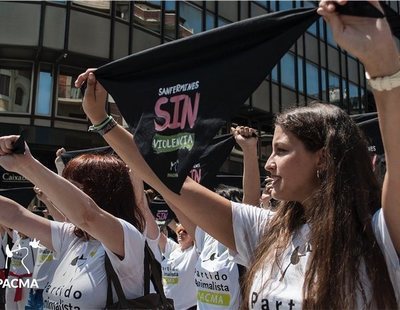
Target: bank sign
12	180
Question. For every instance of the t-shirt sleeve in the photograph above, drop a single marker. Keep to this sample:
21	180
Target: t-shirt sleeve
62	235
388	250
200	236
170	246
132	264
249	223
153	245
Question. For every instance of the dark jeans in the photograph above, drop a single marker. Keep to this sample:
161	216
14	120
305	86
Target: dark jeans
35	300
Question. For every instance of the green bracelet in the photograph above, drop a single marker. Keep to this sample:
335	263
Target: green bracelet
96	128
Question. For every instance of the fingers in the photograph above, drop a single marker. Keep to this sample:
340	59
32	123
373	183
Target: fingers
83	77
60	151
7	144
244	131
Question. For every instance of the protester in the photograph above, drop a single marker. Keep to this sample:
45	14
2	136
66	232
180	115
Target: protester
99	202
324	247
217	276
178	268
179	258
3	260
45	262
21	267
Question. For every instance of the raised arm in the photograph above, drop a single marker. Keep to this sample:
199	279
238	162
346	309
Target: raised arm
372	42
152	230
51	208
246	137
78	207
212	212
15	216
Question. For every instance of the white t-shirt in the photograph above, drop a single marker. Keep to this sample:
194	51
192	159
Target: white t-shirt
80	281
3	244
21	267
216	275
285	288
22	261
45	264
177	272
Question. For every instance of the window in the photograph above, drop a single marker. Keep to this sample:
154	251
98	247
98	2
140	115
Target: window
285	5
122	10
15	87
334	89
312	80
355	102
44	92
274	74
4	85
69	98
287	70
97	5
192	17
300	74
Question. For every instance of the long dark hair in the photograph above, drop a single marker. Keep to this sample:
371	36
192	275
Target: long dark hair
105	178
340	218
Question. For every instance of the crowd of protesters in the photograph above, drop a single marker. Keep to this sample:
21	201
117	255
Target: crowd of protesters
331	239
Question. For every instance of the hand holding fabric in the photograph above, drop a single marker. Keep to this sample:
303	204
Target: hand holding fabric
368	39
95	97
245	136
11	161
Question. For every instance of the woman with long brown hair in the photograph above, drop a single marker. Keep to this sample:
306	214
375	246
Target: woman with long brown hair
334	240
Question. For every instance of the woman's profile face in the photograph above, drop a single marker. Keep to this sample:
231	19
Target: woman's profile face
292	167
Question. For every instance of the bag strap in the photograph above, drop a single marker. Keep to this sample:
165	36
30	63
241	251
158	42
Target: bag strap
152	270
155	272
112	278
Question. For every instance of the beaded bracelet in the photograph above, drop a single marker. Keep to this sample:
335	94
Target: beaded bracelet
104	127
95	128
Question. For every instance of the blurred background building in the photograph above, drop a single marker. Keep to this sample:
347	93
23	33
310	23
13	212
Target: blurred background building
44	45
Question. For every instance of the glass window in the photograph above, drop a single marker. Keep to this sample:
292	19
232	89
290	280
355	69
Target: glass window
210	21
69	98
355	102
122	9
334	89
98	5
300	73
329	37
192	17
262	3
15	88
274	73
312	80
4	85
285	5
313	29
148	14
287	70
323	83
44	92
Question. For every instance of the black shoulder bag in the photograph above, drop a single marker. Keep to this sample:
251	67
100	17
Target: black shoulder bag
150	301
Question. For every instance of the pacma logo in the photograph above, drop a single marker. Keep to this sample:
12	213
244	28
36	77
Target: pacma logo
20	281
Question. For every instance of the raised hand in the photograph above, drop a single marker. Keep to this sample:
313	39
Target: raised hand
95	97
368	39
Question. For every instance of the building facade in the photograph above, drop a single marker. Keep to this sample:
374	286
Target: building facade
44	45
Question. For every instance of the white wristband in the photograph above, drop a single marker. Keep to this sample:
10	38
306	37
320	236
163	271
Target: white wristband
384	82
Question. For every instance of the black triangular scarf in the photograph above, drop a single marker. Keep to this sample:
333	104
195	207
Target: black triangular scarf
185	90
